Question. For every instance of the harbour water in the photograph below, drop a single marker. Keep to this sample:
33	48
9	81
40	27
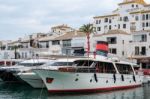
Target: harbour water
23	91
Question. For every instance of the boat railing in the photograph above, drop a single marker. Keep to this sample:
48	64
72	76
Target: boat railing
126	72
83	69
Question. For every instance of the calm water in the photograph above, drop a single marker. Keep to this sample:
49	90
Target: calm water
23	91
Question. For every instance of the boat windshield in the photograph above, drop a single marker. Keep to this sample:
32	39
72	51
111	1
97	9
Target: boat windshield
31	64
124	68
105	67
60	64
87	63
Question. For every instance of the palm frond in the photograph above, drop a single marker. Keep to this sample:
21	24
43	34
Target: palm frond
87	28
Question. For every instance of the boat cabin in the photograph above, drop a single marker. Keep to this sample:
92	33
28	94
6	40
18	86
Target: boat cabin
124	68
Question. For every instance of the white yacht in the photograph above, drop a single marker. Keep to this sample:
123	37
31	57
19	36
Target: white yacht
34	80
7	74
90	75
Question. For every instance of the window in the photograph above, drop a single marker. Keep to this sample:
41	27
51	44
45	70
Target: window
83	63
136	18
98	28
25	54
146	16
137	52
118	26
105	27
144	38
104	67
97	21
125	19
122	41
31	64
143	24
113	50
66	43
56	42
122	53
85	66
47	44
132	5
120	18
106	19
109	27
143	17
59	64
146	24
109	20
143	50
124	68
124	26
112	40
140	38
137	6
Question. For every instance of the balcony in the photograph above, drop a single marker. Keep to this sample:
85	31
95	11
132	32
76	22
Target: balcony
77	44
133	28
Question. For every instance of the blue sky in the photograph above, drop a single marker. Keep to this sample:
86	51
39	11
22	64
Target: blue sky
21	17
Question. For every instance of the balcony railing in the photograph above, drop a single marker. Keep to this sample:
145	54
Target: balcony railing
77	44
133	28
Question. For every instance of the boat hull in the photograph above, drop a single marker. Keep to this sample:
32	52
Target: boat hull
7	76
146	79
32	79
87	82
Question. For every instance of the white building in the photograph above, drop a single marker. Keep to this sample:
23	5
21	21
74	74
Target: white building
60	29
5	51
140	46
130	16
118	41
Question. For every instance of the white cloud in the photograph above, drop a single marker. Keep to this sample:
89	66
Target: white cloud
7	8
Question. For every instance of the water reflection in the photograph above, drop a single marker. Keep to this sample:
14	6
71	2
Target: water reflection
23	91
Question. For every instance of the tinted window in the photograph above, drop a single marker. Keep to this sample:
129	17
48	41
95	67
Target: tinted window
60	64
31	64
104	67
124	68
83	63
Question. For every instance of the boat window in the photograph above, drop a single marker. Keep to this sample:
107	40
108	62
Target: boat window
83	63
31	64
124	68
104	67
60	64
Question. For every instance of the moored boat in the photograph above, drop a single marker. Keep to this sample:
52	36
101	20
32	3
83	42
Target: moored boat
34	80
146	75
90	75
7	74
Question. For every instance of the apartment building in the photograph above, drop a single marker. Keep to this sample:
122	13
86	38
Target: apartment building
118	42
130	16
140	46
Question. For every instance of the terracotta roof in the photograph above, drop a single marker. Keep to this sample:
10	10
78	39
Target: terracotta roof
148	31
70	35
13	42
61	26
25	41
139	57
112	32
111	15
142	11
47	38
147	5
134	1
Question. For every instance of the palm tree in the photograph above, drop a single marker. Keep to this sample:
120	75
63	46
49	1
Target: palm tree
15	47
87	29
